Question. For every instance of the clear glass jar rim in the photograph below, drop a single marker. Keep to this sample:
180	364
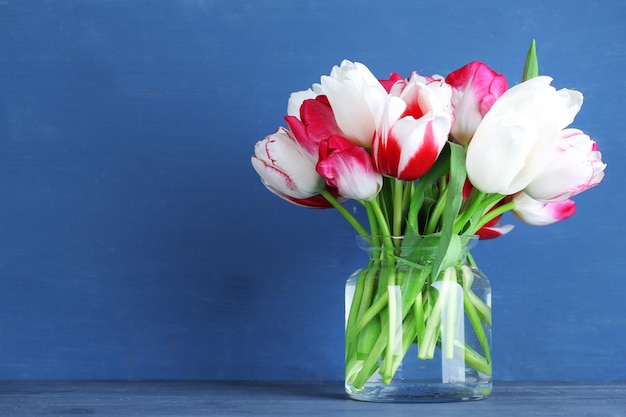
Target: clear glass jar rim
366	242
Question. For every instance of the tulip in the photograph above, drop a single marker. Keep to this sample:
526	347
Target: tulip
576	166
537	213
517	137
413	129
395	81
298	97
475	87
491	232
286	171
350	89
349	168
315	123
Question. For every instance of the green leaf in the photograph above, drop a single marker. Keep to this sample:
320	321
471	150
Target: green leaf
446	251
531	68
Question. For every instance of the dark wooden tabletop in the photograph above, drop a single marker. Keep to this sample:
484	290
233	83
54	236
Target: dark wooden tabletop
193	398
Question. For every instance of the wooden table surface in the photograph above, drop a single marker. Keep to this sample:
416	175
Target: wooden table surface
194	398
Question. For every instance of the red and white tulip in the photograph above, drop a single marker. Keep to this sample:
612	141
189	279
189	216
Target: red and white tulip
413	127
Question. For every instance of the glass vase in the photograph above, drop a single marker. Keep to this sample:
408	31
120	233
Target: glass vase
417	331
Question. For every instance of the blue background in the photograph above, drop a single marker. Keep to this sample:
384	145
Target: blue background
136	241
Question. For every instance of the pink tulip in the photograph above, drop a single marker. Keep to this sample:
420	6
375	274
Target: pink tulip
539	213
349	168
286	170
475	87
576	166
413	127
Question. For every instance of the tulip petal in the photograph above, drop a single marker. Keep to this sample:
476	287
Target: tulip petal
575	166
492	232
518	136
508	154
315	124
537	213
283	167
345	88
349	168
475	89
392	82
296	99
413	128
416	147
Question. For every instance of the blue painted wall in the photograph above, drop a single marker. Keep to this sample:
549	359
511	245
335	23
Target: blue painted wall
136	241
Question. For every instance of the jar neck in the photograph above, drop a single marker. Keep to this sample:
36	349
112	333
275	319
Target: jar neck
417	248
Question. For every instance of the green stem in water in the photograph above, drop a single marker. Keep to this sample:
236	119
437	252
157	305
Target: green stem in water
360	298
476	361
371	362
345	213
474	317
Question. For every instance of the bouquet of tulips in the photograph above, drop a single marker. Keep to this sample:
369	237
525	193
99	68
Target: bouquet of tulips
431	156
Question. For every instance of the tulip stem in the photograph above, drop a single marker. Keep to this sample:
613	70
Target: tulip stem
382	224
398	197
436	213
345	213
493	214
372	221
476	197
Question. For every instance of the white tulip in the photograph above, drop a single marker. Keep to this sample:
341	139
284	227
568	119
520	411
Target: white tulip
517	137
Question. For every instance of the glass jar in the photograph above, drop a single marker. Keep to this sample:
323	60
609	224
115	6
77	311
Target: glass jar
417	331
